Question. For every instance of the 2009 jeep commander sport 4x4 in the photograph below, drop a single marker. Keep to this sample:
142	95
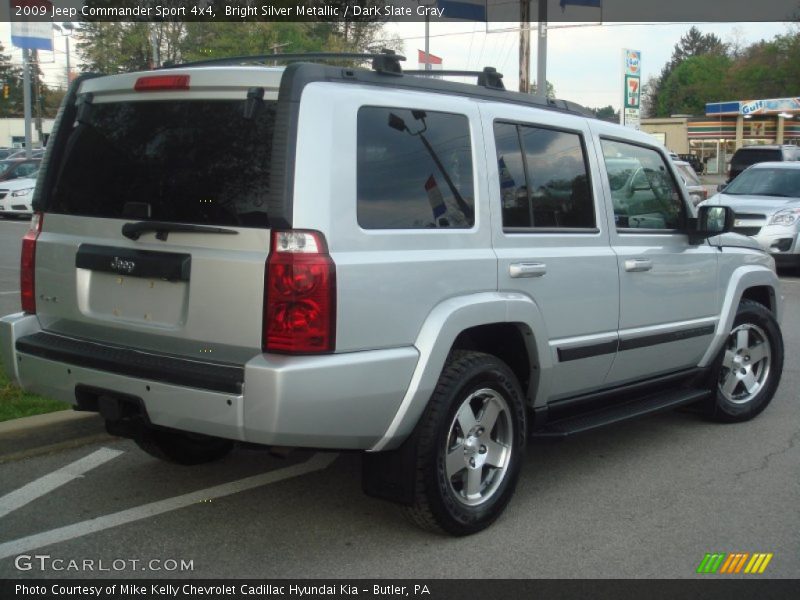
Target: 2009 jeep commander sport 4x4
332	257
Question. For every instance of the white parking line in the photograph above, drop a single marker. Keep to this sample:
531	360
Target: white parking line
11	292
44	485
316	463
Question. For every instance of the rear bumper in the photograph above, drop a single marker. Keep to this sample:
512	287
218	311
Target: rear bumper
331	401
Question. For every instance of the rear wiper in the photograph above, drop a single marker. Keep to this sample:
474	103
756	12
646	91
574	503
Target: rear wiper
134	230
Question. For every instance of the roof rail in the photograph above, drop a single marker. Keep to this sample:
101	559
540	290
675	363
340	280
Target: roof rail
489	77
386	61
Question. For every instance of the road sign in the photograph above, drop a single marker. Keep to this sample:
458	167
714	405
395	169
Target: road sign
31	31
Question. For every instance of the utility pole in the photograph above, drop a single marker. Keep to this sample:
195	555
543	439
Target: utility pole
154	45
524	46
37	99
276	49
541	52
26	84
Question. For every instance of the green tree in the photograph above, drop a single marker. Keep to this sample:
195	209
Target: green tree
111	47
767	69
606	113
692	44
694	82
11	75
551	90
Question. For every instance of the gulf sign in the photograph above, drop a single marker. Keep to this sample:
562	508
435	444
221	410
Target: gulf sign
758	107
633	62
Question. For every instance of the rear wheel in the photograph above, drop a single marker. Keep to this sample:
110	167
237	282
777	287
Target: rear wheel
180	447
750	364
470	445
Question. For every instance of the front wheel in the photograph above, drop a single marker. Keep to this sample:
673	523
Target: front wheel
750	365
470	445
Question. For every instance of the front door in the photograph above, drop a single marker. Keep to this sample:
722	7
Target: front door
668	287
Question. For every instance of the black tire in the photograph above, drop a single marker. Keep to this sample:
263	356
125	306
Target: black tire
442	500
180	447
748	369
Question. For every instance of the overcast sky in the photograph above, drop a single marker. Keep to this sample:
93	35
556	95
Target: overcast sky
583	62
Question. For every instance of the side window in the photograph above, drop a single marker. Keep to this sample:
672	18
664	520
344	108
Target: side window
27	169
414	169
544	180
643	192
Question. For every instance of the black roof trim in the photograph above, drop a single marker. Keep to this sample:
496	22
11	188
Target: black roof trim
384	61
300	74
489	77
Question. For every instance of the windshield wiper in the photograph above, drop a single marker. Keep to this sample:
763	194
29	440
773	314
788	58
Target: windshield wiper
134	230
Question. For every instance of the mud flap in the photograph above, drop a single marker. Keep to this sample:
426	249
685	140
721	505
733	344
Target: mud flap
391	475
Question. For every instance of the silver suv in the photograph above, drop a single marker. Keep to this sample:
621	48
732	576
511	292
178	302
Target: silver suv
430	272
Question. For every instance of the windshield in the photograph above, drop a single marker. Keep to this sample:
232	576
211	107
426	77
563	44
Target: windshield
199	162
5	166
688	175
766	182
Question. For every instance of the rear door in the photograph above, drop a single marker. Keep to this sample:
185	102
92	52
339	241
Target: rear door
185	148
550	234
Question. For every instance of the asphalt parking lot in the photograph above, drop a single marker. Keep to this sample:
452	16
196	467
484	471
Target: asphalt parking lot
647	499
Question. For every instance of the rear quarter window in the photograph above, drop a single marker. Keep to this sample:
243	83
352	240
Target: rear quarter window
414	170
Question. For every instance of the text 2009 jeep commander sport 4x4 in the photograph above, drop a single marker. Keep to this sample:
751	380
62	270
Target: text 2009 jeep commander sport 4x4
331	257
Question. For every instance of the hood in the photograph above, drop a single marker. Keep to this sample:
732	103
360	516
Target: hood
735	240
17	184
765	205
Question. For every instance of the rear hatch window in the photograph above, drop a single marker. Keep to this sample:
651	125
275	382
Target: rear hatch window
191	161
745	158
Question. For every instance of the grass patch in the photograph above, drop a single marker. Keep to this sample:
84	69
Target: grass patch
16	403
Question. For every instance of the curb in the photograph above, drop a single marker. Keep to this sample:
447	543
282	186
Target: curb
51	432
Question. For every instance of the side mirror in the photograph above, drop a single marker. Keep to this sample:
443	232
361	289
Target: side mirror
711	221
721	187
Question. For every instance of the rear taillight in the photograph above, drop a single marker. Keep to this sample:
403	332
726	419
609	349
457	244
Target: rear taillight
158	83
27	276
300	294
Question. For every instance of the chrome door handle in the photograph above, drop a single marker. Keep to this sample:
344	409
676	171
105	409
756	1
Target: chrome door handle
637	265
517	270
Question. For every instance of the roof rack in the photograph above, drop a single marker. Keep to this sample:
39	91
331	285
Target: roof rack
489	77
386	61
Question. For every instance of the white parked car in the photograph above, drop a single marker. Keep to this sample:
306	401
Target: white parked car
697	193
16	196
766	200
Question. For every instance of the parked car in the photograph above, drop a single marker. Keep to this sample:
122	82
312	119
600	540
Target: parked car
16	197
697	192
35	153
432	273
766	200
16	168
6	152
750	155
694	161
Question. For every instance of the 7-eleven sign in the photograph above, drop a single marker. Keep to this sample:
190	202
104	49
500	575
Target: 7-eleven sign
632	91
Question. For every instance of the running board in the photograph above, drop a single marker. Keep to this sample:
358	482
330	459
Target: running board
622	412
